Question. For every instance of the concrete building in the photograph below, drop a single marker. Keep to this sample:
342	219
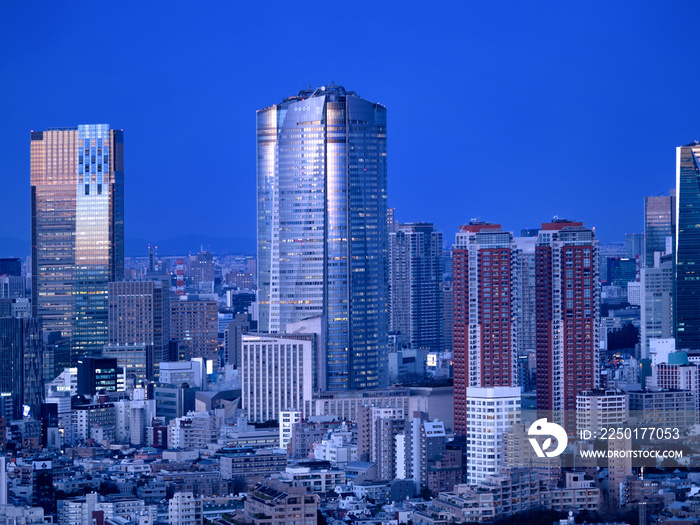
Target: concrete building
276	376
277	503
424	444
484	325
251	466
139	314
656	301
415	282
664	408
568	317
491	413
192	372
194	324
93	421
287	419
196	430
185	509
597	409
313	479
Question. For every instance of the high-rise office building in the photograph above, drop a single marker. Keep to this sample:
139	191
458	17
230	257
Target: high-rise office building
21	374
659	224
568	317
77	192
415	282
621	270
687	293
202	269
634	245
95	374
139	313
322	228
276	375
194	323
656	301
484	269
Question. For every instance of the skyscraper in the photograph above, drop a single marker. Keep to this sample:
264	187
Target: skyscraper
659	224
139	312
484	278
322	228
415	279
568	317
194	324
687	293
20	363
656	302
634	245
77	191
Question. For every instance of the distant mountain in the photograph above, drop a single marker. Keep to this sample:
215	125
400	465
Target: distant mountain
13	247
191	243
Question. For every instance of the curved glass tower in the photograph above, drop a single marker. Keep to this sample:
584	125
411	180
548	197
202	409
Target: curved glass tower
322	234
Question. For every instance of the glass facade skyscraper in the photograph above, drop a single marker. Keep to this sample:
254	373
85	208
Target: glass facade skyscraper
687	255
77	191
322	230
659	223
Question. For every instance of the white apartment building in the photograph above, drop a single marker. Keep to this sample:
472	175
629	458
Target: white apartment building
596	409
287	420
491	411
184	509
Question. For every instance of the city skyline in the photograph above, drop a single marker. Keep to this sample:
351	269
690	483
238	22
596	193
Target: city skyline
541	98
430	287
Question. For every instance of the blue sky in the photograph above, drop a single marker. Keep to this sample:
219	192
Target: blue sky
511	111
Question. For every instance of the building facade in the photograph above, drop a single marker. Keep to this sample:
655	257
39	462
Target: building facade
568	317
687	254
656	301
276	376
415	285
491	413
139	313
77	193
21	374
659	224
484	328
194	323
322	230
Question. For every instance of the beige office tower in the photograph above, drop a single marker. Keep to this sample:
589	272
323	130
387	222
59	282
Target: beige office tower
77	193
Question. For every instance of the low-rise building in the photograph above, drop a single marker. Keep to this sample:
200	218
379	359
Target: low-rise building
271	504
314	480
